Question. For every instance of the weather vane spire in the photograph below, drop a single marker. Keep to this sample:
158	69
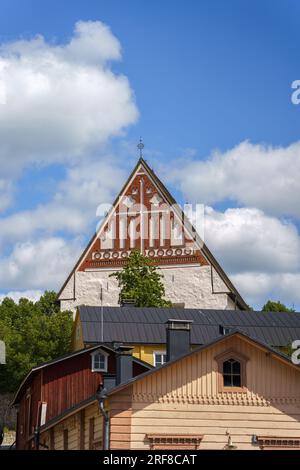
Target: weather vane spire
140	146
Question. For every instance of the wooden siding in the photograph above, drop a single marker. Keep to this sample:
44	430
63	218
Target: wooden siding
197	376
120	419
27	419
184	399
92	412
68	383
78	427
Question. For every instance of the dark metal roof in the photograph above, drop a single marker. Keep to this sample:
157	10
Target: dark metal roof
147	325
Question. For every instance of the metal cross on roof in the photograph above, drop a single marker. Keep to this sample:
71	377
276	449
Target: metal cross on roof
140	146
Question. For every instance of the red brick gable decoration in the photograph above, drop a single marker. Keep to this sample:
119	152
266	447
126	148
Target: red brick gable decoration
146	217
142	218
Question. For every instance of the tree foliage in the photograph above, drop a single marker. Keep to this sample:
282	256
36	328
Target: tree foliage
272	306
141	282
34	332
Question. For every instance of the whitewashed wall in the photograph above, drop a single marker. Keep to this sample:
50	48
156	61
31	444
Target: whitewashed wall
189	284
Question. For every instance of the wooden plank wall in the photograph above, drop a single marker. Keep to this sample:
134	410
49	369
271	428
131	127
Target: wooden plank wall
120	419
79	431
184	399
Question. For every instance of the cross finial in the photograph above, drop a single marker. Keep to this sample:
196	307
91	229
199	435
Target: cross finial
140	146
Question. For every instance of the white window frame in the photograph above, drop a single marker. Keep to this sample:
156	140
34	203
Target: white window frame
164	353
103	353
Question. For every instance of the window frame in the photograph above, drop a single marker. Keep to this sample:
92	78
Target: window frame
163	353
223	357
103	353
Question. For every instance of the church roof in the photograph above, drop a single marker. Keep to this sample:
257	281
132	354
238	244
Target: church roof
147	325
233	293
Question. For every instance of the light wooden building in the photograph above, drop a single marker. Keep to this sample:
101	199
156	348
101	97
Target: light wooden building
233	393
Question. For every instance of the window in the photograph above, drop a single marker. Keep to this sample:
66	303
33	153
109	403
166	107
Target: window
159	358
232	373
99	361
224	330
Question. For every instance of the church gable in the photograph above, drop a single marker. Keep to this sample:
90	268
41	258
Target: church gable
143	218
146	217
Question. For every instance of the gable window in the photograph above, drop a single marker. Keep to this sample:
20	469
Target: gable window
232	373
159	358
99	361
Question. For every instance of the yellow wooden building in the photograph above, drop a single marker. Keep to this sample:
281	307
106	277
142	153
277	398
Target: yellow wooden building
144	328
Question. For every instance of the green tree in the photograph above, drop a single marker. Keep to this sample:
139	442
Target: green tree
272	306
140	281
34	332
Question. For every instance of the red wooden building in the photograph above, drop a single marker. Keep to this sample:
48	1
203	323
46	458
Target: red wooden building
54	388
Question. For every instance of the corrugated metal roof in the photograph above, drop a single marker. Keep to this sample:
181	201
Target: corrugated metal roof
147	325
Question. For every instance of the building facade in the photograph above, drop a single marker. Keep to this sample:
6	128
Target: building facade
54	389
235	393
146	217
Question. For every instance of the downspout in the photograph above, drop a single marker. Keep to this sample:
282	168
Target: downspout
101	396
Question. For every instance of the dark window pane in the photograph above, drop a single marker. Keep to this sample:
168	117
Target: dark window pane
236	367
227	367
236	379
227	381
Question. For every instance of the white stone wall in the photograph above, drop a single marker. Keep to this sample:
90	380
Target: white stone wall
189	284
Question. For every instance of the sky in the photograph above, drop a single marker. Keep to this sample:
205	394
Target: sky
208	86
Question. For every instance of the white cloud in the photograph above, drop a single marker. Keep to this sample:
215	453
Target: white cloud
91	183
62	102
247	239
43	264
260	253
259	176
258	288
73	206
33	295
6	193
59	103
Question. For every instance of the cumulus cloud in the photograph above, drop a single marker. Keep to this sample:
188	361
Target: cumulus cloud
61	101
249	240
73	206
258	287
259	176
33	295
6	193
43	264
58	103
260	253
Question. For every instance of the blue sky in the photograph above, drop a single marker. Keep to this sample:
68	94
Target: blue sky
203	75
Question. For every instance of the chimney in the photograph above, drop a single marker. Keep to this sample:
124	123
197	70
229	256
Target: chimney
128	303
109	381
178	338
123	364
